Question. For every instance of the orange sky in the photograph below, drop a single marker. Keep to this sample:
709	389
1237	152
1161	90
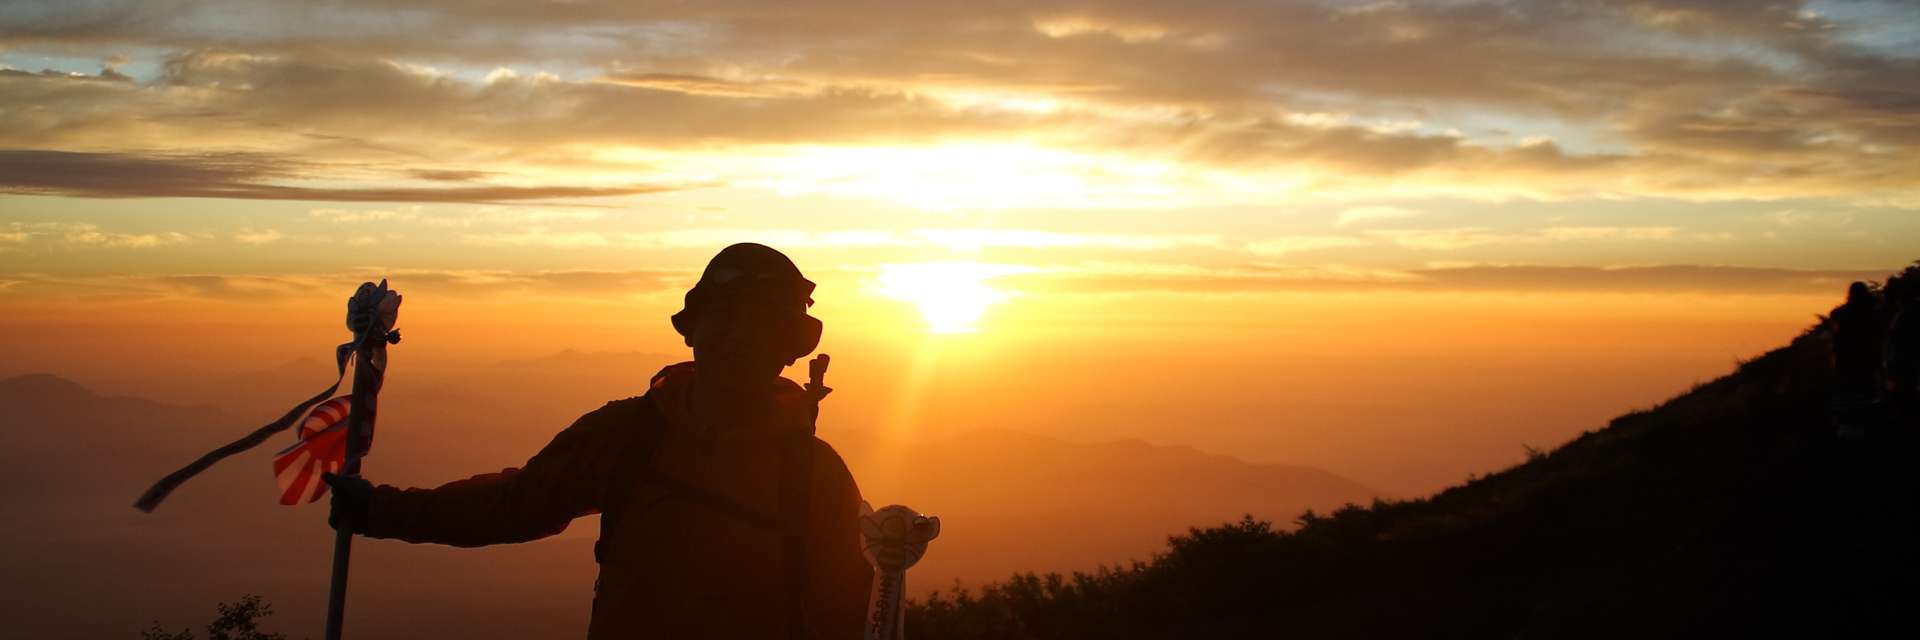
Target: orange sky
1395	240
1404	391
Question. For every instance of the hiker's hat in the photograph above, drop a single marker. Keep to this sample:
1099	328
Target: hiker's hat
760	274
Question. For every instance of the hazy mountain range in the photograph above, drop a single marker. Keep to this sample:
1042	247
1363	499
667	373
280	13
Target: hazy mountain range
98	568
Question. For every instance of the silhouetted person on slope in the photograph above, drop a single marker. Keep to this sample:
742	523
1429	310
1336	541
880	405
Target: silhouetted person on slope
723	517
1903	351
1858	332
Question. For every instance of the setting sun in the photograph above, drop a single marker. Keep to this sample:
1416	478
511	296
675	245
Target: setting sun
950	294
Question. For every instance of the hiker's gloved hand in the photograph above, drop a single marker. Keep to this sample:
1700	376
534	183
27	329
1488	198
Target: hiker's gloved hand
350	498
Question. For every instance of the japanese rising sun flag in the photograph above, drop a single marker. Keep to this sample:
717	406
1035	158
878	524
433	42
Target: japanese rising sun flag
323	444
322	448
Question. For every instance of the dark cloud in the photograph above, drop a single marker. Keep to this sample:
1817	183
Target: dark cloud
449	175
697	84
1689	97
108	74
324	104
332	95
235	176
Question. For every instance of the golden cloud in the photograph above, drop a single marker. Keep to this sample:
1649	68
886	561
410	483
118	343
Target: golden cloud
1693	100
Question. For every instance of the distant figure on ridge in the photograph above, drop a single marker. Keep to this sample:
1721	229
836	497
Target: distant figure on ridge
1858	332
722	515
1903	351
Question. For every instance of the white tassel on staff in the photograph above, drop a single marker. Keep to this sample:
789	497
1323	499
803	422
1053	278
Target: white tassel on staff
893	539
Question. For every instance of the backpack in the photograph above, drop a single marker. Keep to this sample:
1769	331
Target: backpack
791	522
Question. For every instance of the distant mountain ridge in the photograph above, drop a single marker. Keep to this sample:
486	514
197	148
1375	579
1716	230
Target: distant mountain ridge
576	361
1019	501
1010	500
569	378
43	391
43	386
41	414
1048	464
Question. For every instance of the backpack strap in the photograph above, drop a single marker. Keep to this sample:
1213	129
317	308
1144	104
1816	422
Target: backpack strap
796	510
636	460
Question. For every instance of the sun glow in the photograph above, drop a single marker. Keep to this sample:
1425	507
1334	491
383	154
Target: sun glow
950	294
969	175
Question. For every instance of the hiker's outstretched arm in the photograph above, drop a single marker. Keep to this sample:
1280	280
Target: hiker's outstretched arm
564	481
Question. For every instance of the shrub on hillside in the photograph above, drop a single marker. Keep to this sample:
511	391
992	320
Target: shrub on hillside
236	622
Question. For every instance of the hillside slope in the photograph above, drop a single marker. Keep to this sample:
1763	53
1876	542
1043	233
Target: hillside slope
1730	511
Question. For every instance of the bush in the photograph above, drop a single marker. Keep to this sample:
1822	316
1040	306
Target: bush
236	622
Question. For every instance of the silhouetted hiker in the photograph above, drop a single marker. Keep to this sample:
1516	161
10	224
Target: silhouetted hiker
1858	331
723	517
1903	351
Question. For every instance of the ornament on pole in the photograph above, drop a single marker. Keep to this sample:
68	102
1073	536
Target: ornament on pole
371	313
893	539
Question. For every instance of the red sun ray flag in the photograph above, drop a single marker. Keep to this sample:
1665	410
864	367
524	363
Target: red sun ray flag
322	448
371	313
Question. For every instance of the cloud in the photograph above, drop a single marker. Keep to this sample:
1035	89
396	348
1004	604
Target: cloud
267	236
1362	214
235	176
1123	277
107	74
478	216
348	216
697	85
1655	279
450	175
957	240
1281	246
589	285
699	238
1794	217
602	286
1443	240
976	239
1590	234
78	235
1069	26
482	286
1690	99
141	288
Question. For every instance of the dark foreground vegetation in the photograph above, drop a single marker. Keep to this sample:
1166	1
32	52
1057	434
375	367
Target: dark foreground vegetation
1730	511
237	621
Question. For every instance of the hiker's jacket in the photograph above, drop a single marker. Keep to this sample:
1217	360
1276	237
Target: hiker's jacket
673	567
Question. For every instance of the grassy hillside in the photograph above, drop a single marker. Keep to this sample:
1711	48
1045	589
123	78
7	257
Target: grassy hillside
1729	511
